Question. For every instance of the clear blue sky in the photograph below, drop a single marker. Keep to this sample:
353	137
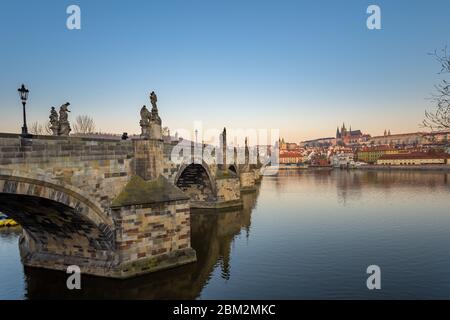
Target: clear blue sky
301	66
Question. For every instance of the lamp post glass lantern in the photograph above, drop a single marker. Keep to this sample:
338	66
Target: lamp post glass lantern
23	93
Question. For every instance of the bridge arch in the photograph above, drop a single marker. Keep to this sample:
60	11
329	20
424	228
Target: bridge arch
234	168
196	181
58	221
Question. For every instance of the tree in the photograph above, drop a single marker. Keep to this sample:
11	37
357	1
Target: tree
84	125
440	118
36	128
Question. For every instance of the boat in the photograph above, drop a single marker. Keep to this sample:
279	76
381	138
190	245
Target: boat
7	222
293	166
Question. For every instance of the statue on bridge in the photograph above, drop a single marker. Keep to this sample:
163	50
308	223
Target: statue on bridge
145	121
60	126
54	122
153	100
155	116
150	121
64	125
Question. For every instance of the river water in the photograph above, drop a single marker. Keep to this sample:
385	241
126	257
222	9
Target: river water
304	234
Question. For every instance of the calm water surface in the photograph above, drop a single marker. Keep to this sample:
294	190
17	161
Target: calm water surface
301	235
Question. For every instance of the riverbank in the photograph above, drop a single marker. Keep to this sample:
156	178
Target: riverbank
411	168
441	168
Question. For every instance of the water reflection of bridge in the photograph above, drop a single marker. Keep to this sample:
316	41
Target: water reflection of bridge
212	238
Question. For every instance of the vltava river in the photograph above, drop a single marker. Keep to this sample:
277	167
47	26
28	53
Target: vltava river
301	235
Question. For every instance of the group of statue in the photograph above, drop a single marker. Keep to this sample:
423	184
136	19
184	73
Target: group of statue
149	118
59	125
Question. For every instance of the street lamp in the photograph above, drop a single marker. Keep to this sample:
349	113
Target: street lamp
23	93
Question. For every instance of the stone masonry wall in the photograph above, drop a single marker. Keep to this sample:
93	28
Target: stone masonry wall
228	189
153	236
148	158
247	180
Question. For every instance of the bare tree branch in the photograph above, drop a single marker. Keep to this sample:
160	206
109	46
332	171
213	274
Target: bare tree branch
36	128
84	125
443	58
439	119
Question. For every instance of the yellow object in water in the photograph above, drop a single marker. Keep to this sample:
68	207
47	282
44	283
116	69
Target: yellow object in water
8	223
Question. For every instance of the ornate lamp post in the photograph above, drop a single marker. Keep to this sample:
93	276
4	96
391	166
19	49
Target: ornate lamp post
23	92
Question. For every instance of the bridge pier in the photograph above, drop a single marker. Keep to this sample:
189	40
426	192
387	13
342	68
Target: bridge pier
258	175
247	180
152	220
47	256
248	175
151	215
227	188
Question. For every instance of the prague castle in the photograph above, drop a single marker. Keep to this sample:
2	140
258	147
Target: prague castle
350	136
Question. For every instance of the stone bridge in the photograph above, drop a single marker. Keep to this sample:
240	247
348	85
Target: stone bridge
115	208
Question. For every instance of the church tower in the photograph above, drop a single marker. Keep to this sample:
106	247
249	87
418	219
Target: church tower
343	130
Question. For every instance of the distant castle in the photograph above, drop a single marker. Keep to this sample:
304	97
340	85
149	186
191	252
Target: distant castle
345	136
